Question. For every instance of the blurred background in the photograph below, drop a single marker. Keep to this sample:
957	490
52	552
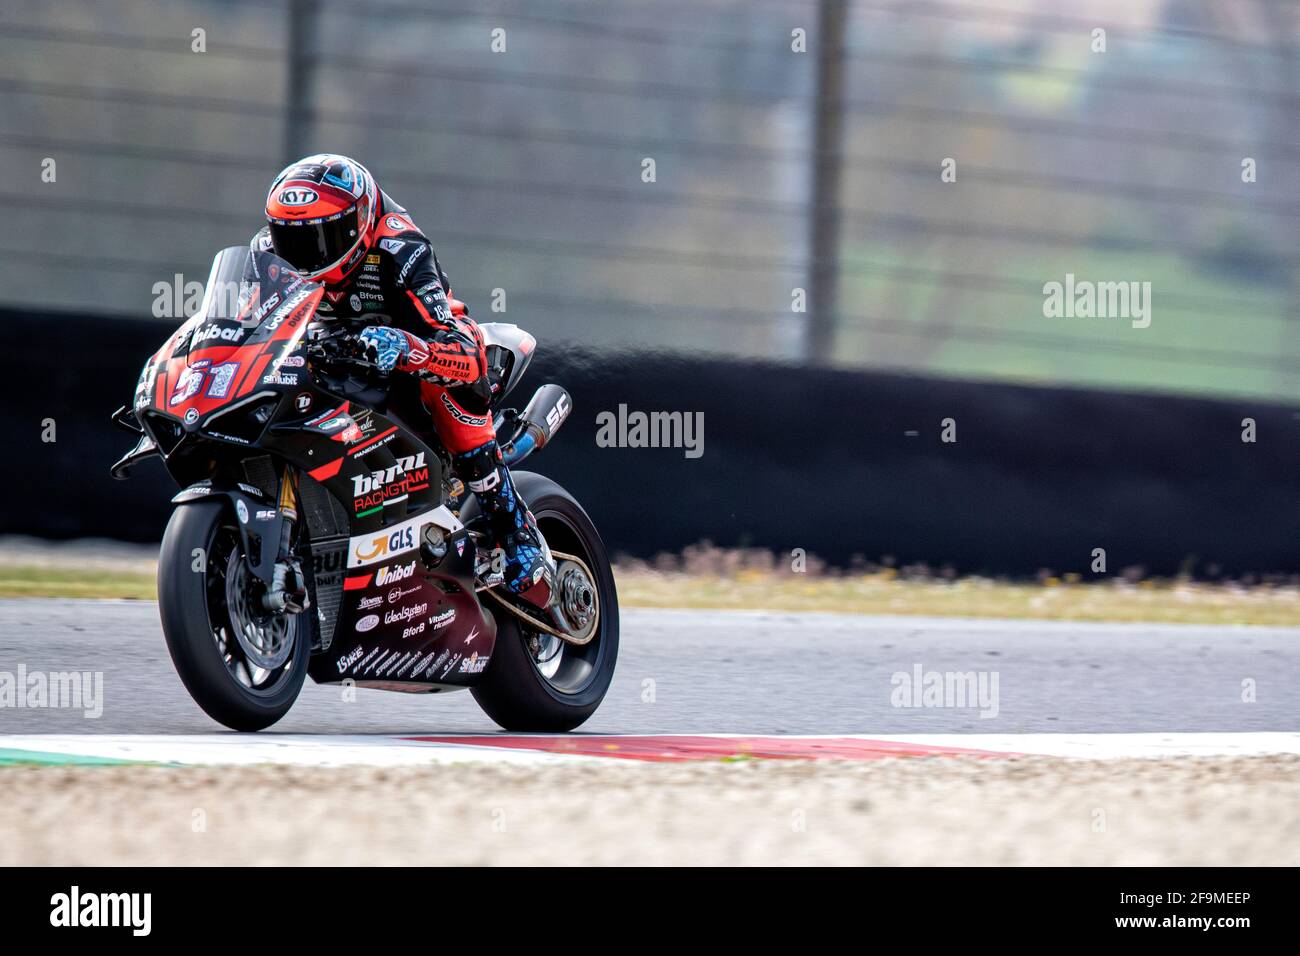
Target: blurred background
525	167
797	222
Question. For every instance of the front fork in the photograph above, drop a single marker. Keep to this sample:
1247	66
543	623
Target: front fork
288	590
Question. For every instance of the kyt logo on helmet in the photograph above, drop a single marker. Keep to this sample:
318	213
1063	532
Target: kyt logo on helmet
321	215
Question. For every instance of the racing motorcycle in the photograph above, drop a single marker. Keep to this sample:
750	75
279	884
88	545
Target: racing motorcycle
318	534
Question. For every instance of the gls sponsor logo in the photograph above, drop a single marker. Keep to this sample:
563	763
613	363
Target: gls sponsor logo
394	541
367	548
74	909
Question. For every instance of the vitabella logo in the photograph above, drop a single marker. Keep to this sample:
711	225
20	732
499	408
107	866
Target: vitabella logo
134	910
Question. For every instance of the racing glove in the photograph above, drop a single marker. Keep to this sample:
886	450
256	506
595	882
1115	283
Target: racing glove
442	360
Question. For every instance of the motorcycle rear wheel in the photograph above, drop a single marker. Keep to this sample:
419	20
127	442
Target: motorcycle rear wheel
539	684
217	639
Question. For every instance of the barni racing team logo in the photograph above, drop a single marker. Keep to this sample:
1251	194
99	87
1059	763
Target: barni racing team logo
375	490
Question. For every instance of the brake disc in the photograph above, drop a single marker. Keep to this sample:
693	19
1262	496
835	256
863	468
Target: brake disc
265	639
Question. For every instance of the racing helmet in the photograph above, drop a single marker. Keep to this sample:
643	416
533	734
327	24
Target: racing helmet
321	213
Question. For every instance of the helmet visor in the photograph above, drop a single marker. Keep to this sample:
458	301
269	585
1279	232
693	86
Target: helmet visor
310	247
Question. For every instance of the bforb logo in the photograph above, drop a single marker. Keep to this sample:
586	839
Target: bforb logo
75	909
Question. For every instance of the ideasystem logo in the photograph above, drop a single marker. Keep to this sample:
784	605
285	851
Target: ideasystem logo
76	909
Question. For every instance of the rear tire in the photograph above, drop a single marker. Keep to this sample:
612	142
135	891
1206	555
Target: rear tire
514	691
194	616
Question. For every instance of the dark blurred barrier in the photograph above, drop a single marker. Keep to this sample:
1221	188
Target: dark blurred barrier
793	458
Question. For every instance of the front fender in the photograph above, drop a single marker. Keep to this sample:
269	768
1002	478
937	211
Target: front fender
261	524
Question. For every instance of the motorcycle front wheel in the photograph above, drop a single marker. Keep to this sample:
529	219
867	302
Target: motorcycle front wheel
241	664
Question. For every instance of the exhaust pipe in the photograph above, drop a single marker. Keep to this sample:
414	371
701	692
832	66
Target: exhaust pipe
546	412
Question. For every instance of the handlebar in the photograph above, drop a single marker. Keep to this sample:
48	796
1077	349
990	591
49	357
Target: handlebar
340	348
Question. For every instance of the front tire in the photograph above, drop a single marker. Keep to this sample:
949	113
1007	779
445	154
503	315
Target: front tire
199	569
532	685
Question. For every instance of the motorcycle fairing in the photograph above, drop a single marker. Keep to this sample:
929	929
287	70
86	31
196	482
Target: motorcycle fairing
260	520
399	612
238	374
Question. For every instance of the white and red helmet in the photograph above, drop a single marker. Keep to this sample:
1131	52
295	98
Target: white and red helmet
321	212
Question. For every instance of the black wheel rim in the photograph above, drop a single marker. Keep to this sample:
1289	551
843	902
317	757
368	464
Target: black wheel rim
566	668
231	610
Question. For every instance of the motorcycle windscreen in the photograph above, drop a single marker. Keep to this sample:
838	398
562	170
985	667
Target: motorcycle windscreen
245	289
254	309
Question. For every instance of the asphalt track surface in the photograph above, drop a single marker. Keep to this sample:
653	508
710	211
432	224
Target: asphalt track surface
736	672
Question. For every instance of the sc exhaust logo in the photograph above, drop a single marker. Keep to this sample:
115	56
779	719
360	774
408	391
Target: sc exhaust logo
556	416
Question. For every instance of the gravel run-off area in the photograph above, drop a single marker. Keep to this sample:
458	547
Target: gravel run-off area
1196	811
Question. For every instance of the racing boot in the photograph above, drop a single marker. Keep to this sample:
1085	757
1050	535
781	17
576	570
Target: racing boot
527	568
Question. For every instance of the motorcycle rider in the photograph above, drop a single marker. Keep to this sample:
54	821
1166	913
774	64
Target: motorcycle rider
328	218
